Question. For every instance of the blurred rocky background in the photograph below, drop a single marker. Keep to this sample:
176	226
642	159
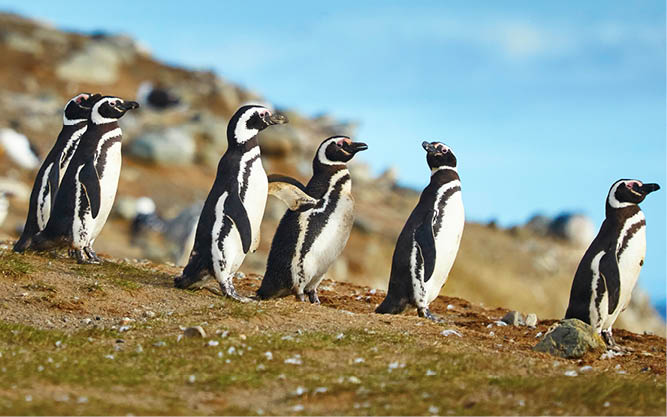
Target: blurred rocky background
172	146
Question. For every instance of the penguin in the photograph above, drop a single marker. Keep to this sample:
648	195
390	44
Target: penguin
156	98
228	226
429	242
47	181
88	188
610	267
311	236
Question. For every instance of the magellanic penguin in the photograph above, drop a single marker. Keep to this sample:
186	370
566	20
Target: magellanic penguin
310	237
428	244
47	181
609	269
88	189
228	227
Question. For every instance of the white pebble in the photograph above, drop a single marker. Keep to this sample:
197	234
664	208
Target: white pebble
500	323
213	343
340	336
433	409
139	349
522	403
269	356
450	307
320	390
571	373
109	357
539	334
28	398
297	408
359	360
295	360
430	372
192	379
606	404
40	368
449	332
300	391
231	350
354	380
586	368
492	334
82	400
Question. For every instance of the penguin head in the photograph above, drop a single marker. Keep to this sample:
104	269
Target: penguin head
439	156
77	109
337	150
624	193
249	120
109	109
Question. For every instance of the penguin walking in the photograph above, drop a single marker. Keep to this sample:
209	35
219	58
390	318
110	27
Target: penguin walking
311	235
47	181
88	188
428	244
228	226
610	267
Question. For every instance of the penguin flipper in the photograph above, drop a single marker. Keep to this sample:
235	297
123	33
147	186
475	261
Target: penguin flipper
292	193
54	182
235	210
289	180
91	187
610	273
426	244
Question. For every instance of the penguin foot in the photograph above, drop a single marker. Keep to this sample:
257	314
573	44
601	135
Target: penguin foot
92	255
312	296
609	340
426	313
78	255
230	291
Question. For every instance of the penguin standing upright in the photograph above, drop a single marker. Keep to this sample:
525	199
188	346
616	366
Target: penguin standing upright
310	237
88	189
47	181
428	244
609	269
228	226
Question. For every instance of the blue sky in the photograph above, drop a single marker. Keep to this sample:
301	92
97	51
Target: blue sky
545	104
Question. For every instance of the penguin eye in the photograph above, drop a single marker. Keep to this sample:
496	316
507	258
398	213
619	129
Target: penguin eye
113	103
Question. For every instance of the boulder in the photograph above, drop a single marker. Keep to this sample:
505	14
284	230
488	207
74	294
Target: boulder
166	146
513	318
280	141
96	63
531	320
570	339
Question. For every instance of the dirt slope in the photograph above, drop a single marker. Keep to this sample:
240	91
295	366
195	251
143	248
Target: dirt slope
84	339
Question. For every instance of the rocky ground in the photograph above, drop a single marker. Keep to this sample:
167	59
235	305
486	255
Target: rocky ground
110	339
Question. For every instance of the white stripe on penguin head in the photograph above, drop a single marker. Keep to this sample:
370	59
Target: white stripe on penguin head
611	198
95	115
322	151
241	132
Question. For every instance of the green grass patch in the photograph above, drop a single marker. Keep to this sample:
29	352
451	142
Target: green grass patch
13	264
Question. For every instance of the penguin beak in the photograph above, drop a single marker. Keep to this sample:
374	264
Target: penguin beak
428	147
354	147
275	119
647	188
128	105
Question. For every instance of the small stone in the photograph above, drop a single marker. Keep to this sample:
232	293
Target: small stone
531	320
430	372
450	307
300	391
149	314
606	404
192	379
320	390
268	355
354	380
359	360
570	373
297	408
513	318
196	331
82	400
433	409
586	368
449	332
213	343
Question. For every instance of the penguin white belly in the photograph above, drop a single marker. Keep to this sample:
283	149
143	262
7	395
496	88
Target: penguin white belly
629	265
226	250
82	220
44	199
446	244
255	200
329	244
108	187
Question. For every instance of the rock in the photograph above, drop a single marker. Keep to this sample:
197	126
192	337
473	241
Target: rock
531	320
538	224
513	318
280	141
575	228
570	339
196	331
167	146
21	43
96	63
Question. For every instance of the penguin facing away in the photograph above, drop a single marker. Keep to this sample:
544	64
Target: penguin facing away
88	188
228	226
610	267
427	246
312	234
47	181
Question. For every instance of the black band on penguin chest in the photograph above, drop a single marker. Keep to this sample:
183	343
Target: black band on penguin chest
246	176
317	221
102	157
628	235
441	207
